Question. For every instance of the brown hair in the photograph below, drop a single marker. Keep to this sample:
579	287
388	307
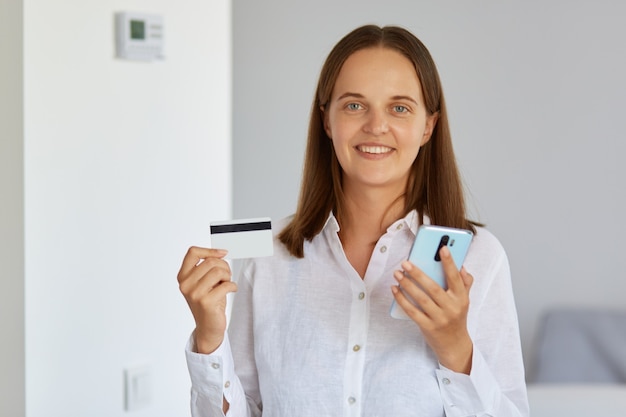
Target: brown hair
434	187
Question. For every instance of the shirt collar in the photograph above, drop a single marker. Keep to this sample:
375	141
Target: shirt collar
411	220
331	224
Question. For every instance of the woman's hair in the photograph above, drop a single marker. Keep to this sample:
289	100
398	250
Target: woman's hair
434	186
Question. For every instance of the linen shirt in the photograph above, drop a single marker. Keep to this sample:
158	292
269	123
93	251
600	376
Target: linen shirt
309	337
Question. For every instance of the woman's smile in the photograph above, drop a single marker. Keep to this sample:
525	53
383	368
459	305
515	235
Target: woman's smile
374	151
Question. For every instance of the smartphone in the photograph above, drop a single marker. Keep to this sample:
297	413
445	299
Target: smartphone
425	255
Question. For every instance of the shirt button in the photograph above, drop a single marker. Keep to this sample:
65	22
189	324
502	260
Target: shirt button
356	348
216	366
361	295
400	226
383	249
445	381
226	384
351	400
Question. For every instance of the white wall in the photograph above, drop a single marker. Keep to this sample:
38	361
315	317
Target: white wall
536	95
124	166
12	400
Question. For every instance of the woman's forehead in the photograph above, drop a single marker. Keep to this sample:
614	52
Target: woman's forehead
377	71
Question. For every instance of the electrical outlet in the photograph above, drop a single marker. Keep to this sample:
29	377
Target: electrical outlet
138	388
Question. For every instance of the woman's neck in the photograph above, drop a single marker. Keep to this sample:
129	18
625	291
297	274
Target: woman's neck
365	217
368	213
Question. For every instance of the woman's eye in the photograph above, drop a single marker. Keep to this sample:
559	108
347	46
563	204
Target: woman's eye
354	106
400	109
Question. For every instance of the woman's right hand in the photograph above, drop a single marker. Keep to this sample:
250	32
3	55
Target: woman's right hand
205	280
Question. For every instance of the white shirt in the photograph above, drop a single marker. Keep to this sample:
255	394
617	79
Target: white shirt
309	337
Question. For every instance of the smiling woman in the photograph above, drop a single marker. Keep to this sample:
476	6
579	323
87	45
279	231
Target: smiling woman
311	333
377	121
433	189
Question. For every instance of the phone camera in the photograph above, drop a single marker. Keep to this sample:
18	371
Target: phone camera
443	242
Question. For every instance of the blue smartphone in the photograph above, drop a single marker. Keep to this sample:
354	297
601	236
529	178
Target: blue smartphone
425	255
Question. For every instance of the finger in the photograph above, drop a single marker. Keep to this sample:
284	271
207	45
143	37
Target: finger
468	279
453	277
215	298
223	289
205	277
208	267
426	285
412	288
196	254
409	308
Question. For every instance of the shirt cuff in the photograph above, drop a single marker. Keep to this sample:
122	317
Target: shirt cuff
211	375
468	395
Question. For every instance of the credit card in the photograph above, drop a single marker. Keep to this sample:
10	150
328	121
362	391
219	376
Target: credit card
245	238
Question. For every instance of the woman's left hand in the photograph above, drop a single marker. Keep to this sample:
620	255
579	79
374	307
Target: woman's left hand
443	314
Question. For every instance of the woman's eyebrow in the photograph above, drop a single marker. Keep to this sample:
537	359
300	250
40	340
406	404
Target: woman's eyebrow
360	96
348	94
408	98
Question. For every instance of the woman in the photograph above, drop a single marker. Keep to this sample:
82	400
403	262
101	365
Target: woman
311	333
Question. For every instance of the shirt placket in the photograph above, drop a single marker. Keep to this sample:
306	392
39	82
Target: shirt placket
358	330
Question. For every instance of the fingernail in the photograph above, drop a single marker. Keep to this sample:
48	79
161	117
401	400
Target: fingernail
398	275
394	289
407	265
445	251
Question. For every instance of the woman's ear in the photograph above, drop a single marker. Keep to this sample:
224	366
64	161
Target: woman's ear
325	122
431	122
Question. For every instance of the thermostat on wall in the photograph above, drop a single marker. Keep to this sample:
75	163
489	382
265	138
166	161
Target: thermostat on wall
139	36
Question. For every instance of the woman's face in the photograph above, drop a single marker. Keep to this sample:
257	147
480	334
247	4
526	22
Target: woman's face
376	119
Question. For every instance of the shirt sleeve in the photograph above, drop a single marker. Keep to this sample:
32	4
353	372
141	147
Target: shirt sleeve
213	379
477	394
496	385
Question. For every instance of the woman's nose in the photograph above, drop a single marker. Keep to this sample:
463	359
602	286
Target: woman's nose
376	123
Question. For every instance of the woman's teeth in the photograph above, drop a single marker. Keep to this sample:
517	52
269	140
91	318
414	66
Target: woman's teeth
374	149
